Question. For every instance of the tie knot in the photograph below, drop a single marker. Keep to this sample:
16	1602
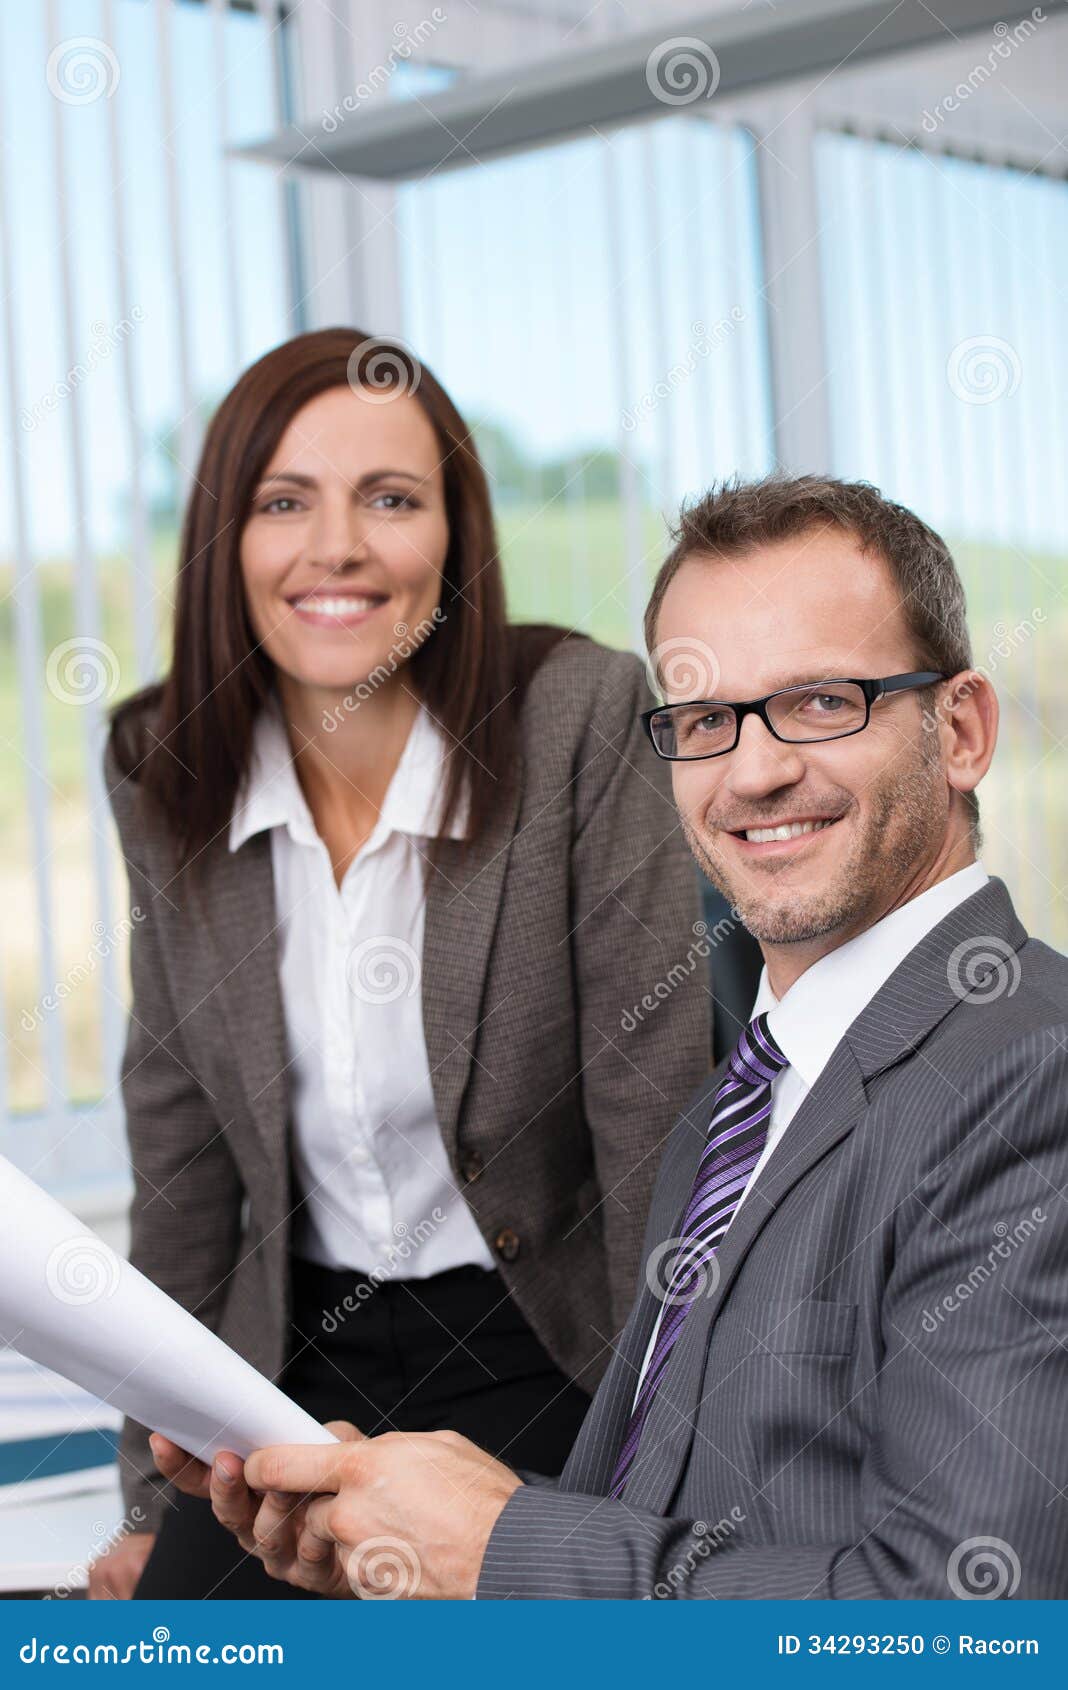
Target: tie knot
756	1058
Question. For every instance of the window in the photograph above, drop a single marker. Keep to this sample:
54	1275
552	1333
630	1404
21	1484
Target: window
142	270
948	367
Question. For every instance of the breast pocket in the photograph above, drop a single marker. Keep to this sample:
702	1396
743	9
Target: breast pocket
789	1327
785	1375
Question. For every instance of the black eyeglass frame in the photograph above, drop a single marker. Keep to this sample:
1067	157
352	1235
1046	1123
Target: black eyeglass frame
872	690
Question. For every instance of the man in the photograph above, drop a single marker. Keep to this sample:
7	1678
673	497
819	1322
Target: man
845	1371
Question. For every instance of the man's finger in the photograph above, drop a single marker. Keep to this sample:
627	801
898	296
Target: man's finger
315	1532
346	1431
231	1501
303	1468
275	1526
177	1465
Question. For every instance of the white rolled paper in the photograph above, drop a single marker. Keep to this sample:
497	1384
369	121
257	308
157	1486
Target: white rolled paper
70	1303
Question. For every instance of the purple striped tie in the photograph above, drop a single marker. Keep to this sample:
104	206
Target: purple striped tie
736	1137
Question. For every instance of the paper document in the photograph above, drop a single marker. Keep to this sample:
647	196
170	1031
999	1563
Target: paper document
70	1303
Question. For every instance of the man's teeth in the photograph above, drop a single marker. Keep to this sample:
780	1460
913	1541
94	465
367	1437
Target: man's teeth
762	835
336	606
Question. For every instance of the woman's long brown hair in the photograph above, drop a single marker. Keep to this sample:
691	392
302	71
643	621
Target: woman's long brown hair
186	741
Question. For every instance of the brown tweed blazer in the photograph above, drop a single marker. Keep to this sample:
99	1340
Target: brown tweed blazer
574	906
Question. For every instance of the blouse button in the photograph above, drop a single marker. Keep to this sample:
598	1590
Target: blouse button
506	1244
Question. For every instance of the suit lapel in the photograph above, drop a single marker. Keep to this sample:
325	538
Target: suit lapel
957	956
825	1117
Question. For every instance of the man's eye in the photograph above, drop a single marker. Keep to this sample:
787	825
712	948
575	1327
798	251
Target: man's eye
821	703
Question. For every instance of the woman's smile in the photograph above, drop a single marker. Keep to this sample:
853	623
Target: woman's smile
324	607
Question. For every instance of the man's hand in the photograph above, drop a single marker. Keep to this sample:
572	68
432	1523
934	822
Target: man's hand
266	1527
400	1515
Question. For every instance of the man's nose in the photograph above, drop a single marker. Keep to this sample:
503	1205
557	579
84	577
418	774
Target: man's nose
760	763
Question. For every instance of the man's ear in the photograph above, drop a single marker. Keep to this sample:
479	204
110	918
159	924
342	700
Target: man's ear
967	713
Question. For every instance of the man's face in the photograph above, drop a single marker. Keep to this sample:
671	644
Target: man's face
810	608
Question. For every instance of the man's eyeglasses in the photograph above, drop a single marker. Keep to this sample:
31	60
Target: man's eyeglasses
819	710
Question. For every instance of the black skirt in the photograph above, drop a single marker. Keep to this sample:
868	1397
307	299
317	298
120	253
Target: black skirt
451	1352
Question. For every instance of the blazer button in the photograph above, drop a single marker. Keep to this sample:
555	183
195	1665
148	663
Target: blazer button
506	1244
471	1165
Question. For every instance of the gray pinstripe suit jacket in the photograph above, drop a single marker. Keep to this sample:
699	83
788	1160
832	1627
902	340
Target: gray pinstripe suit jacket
881	1373
569	909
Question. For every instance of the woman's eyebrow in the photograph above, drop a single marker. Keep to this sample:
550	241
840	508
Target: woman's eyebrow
364	480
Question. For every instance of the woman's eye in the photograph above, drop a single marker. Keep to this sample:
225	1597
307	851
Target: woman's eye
399	501
281	499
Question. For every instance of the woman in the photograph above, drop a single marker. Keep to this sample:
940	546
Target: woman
401	869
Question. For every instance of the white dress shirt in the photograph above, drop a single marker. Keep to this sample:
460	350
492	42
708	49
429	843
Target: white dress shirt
810	1019
369	1161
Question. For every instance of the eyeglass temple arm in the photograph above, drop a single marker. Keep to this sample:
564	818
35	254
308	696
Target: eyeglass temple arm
903	683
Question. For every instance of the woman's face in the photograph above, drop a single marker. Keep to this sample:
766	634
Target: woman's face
343	550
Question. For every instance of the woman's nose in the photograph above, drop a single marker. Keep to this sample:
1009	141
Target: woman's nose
340	535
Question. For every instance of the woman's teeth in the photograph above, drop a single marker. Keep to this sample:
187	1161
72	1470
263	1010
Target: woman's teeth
336	606
763	835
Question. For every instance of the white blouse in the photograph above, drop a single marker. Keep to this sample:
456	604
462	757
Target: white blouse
378	1194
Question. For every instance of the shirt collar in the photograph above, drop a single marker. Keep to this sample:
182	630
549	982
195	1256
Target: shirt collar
811	1018
271	794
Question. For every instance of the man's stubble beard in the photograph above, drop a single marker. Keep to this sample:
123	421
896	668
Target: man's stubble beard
904	825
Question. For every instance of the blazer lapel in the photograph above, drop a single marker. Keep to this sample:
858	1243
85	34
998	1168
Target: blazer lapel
240	927
464	894
240	924
982	933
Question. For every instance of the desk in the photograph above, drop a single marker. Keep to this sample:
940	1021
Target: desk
47	1538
